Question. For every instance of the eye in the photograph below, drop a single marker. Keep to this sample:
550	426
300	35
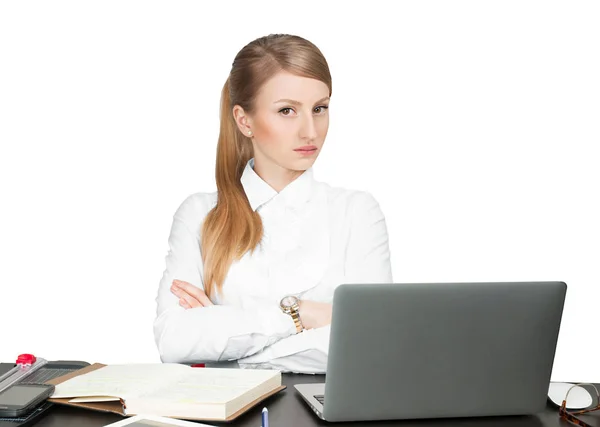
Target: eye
318	110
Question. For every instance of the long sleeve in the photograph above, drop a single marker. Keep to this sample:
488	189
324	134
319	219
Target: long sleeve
209	334
368	251
304	353
367	260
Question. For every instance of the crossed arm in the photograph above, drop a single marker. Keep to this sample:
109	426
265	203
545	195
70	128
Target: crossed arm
190	328
314	314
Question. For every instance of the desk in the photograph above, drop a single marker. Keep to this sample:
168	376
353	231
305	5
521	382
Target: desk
287	409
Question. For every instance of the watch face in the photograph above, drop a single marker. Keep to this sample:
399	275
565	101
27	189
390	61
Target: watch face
289	301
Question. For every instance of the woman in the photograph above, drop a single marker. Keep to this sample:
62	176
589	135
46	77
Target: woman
252	268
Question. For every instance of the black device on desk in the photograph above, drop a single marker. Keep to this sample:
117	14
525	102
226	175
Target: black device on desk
52	369
20	399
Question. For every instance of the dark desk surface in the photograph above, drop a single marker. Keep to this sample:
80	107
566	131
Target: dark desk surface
287	409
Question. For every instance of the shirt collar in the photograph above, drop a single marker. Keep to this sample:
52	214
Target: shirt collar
259	192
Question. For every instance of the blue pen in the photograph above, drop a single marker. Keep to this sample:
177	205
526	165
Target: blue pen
265	417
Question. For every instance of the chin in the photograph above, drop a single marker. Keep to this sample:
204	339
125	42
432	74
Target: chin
301	164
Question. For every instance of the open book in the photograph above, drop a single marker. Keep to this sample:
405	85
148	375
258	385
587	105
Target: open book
167	389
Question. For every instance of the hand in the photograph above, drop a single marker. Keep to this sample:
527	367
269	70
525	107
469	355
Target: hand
314	314
190	296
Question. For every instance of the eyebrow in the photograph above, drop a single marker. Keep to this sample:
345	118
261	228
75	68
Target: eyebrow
291	101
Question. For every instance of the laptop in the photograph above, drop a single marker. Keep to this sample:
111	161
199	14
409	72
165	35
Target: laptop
438	350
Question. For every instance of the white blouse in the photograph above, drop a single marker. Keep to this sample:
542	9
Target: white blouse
316	237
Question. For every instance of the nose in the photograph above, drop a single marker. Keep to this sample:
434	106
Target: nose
308	128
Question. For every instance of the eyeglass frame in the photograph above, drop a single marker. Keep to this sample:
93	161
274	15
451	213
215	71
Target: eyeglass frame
570	415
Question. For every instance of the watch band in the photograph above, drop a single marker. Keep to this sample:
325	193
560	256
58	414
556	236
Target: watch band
295	313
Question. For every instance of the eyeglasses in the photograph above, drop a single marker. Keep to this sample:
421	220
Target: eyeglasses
570	415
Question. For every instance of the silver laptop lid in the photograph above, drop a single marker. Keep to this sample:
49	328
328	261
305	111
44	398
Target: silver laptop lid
402	351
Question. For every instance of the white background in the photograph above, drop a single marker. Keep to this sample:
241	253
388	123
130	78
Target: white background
475	124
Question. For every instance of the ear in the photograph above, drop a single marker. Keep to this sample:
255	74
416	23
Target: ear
242	119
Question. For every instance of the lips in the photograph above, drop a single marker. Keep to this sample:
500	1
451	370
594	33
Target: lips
306	148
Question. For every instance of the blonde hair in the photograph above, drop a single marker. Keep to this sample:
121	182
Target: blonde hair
232	227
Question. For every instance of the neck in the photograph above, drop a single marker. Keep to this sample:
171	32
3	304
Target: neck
276	176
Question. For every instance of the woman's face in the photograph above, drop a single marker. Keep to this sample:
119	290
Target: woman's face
289	123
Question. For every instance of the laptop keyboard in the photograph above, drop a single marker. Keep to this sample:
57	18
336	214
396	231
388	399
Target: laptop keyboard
320	398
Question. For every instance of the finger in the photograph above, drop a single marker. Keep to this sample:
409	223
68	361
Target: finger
184	296
184	304
189	300
194	291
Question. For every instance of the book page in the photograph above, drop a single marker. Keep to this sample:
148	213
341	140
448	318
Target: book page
122	381
210	385
154	421
94	399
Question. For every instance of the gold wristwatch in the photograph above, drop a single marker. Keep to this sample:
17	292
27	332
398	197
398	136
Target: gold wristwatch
290	305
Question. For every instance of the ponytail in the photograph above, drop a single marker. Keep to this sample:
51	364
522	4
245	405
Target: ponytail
232	227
